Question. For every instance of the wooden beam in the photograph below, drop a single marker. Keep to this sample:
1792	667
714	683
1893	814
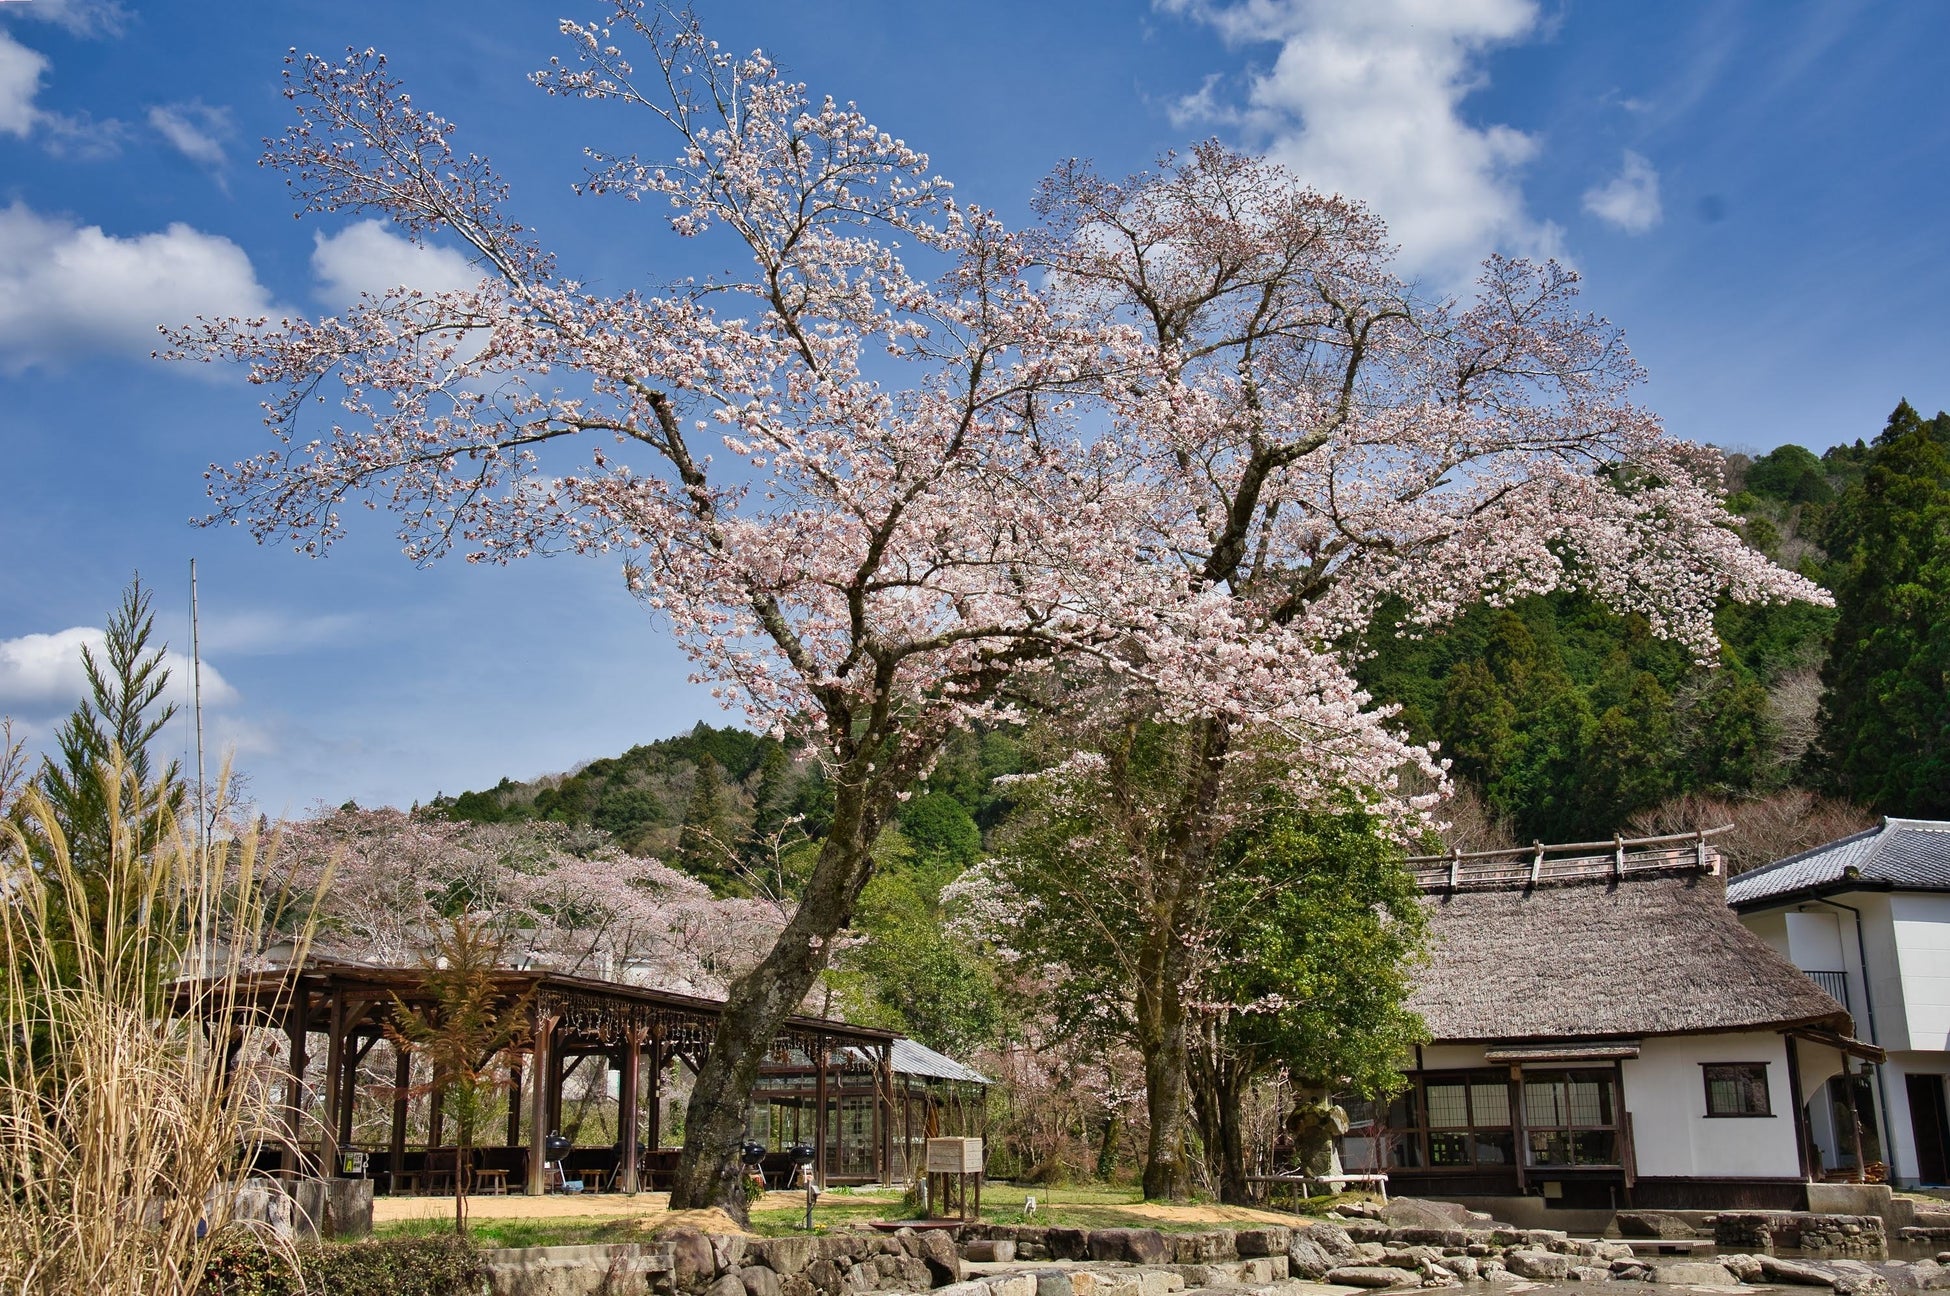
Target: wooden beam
1794	1096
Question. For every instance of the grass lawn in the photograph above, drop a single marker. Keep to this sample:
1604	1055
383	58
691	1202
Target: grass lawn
780	1214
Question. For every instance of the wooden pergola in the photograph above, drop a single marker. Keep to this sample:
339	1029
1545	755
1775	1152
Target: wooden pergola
570	1019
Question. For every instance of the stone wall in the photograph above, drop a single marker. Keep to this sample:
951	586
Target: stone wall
1766	1232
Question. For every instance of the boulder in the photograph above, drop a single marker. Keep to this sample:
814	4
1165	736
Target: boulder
728	1285
1411	1257
693	1265
1777	1270
727	1250
937	1250
1588	1273
1538	1264
1068	1244
1743	1267
1200	1248
1269	1241
1306	1258
1464	1267
1019	1284
825	1276
1054	1282
1861	1284
1369	1276
1693	1273
1132	1246
1652	1224
1330	1238
796	1285
1414	1212
759	1281
784	1256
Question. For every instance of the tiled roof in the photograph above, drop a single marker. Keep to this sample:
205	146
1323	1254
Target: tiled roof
1902	855
915	1059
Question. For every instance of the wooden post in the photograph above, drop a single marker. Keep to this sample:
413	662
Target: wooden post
538	1066
556	1077
1794	1096
349	1091
883	1124
907	1128
626	1116
819	1118
328	1144
654	1138
1628	1154
296	1061
1854	1121
396	1144
436	1118
514	1104
1516	1121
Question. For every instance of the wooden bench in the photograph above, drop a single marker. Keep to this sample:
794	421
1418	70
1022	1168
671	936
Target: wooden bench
1378	1181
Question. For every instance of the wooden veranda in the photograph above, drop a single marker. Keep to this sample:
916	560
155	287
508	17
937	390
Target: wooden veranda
872	1117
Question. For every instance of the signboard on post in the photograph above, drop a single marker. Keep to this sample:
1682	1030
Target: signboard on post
953	1164
954	1156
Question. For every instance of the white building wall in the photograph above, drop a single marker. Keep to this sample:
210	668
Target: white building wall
1772	928
1815	940
1921	924
1665	1091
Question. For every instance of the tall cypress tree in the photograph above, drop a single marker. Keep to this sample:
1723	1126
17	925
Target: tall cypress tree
702	848
122	715
1885	714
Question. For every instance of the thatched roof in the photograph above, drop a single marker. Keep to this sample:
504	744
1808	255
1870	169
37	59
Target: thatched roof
1901	855
1645	953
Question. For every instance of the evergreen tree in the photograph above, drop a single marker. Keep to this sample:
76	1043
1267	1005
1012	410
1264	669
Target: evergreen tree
1885	720
703	849
122	715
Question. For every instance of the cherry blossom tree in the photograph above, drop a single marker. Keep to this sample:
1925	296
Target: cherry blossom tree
1335	456
903	517
555	898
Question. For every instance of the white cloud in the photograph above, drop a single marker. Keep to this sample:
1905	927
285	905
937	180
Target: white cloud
1630	200
367	257
41	675
256	633
80	17
66	288
1366	99
20	82
194	129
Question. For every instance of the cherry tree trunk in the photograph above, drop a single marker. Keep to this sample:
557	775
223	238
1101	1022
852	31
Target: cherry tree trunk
1218	1090
1161	1040
708	1169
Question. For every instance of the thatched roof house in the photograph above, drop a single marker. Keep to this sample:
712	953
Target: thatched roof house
1604	1032
1656	954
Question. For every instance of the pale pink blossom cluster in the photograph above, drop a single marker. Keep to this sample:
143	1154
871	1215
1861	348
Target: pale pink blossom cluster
562	900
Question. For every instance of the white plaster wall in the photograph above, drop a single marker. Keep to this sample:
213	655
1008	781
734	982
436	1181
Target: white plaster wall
1921	924
1771	927
1666	1093
1451	1057
1815	940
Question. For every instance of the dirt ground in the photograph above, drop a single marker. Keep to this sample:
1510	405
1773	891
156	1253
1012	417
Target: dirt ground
649	1206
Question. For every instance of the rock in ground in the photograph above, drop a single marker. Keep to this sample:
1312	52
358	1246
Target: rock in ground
1370	1276
1538	1264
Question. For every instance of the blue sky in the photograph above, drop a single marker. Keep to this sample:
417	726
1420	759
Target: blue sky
1757	192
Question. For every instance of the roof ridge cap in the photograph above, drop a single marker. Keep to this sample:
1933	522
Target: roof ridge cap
1916	825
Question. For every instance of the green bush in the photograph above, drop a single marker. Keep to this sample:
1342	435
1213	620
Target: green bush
407	1266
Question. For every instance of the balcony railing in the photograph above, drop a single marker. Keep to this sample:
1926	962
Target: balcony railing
1835	983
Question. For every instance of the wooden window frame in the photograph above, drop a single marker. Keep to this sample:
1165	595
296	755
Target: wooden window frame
1616	1128
1422	1132
1766	1091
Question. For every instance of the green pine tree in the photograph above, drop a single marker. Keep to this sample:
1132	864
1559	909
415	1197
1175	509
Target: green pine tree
1885	720
120	718
703	848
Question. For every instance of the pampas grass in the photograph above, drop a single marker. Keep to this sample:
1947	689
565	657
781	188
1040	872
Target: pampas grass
129	1099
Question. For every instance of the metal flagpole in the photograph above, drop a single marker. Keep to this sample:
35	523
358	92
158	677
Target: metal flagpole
196	704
